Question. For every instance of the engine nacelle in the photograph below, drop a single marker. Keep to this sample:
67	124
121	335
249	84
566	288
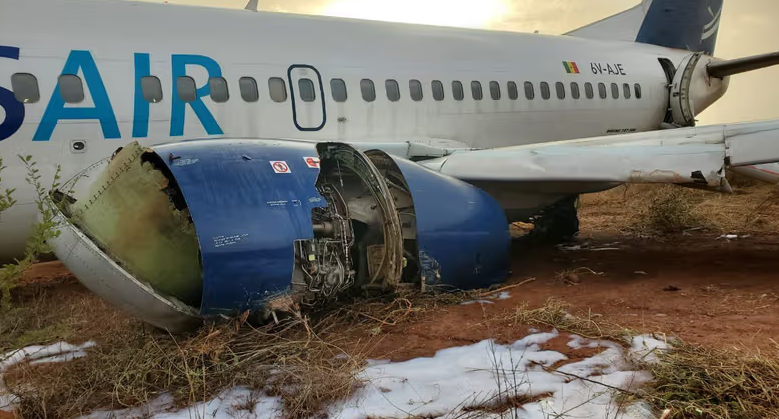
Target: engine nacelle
202	229
693	90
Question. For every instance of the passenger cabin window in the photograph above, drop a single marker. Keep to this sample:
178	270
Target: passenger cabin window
393	90
186	89
575	90
457	90
638	90
438	90
368	90
560	88
530	93
626	90
476	90
25	87
307	93
415	87
614	91
588	90
602	91
218	88
495	90
512	88
338	88
71	88
277	89
151	88
248	88
545	90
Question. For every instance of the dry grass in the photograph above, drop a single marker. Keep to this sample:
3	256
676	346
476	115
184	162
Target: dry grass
290	360
555	313
308	362
670	210
654	210
698	382
41	316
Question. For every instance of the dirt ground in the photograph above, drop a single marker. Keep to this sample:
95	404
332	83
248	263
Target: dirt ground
695	285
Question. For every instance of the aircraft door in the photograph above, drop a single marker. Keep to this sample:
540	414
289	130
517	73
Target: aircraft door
308	97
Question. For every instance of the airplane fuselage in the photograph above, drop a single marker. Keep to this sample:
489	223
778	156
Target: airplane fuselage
301	77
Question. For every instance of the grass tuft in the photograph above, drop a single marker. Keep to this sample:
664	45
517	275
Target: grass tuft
554	313
670	210
693	381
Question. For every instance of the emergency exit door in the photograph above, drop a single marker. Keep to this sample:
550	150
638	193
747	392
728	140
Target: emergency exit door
308	97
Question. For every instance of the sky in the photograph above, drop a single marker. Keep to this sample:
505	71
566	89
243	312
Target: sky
747	28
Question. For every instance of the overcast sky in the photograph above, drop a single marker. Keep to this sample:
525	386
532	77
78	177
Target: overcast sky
748	27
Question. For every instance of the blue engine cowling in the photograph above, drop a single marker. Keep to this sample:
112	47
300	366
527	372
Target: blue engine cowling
284	223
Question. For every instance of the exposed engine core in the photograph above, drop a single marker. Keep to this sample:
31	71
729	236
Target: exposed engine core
323	265
357	236
208	229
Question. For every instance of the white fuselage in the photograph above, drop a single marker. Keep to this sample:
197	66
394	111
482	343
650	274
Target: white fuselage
120	38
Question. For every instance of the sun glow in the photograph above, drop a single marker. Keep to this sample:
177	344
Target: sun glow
462	13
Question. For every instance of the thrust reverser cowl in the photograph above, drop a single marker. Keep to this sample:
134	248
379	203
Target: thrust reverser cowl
201	229
693	90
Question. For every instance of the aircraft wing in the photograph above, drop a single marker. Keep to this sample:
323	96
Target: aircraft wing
695	156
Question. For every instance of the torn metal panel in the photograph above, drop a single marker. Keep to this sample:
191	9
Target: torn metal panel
130	215
101	275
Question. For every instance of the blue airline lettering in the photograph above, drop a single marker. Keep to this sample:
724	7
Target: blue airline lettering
14	110
102	111
178	111
141	107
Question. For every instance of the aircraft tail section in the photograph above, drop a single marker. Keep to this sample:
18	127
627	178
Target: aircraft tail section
623	26
683	24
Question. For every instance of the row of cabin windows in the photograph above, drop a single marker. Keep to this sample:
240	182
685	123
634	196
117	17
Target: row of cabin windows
25	87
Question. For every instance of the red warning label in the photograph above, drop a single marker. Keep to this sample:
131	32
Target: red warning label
312	162
280	166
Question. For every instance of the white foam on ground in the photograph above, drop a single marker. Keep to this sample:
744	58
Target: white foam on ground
444	384
238	403
465	303
441	386
646	349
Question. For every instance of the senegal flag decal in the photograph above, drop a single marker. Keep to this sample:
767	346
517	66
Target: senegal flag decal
570	67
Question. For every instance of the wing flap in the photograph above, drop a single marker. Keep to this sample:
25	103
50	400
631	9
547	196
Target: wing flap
753	143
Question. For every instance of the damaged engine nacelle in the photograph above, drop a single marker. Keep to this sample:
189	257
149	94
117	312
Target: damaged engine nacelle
693	90
203	229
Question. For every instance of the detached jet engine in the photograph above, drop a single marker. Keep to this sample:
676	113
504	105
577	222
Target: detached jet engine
196	230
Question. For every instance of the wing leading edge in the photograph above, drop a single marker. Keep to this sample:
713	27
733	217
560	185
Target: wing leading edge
696	156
